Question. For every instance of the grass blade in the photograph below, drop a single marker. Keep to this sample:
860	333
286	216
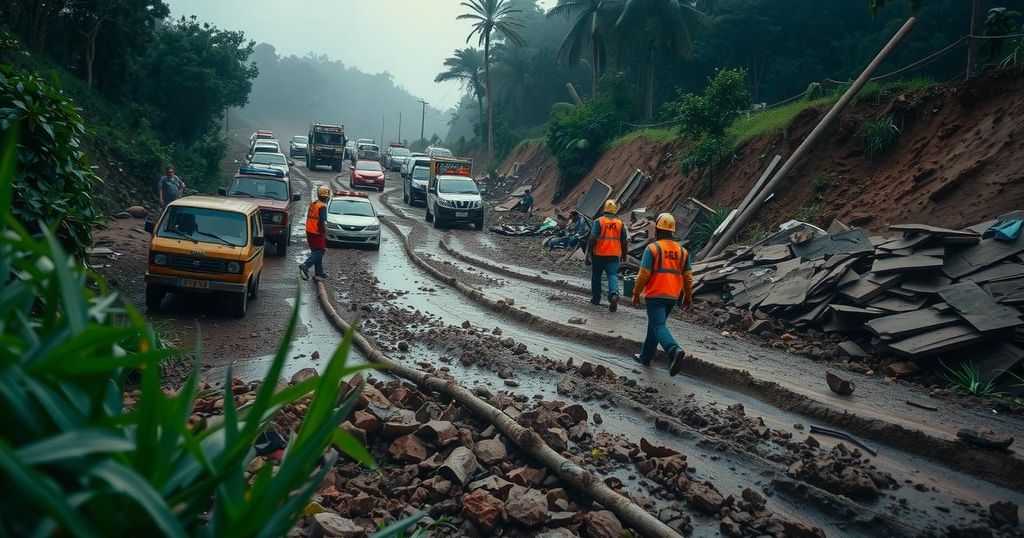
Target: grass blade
129	483
73	444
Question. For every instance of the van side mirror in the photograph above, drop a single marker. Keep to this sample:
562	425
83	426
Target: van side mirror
432	190
351	167
296	197
148	226
223	191
291	163
259	241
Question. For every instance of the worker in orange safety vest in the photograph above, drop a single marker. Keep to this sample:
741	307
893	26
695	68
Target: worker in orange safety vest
605	250
665	279
316	234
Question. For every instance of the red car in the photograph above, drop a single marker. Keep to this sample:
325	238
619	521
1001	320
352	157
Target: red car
366	173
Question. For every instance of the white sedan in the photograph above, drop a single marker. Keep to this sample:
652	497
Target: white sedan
271	160
352	220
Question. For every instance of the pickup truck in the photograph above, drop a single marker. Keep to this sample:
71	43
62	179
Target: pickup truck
326	146
452	193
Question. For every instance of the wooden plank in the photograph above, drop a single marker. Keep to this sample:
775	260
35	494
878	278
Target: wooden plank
979	308
909	323
1007	291
999	271
905	264
995	358
986	253
861	291
900	292
886	281
939	341
896	304
938	251
907	242
926	284
772	254
790	290
848	278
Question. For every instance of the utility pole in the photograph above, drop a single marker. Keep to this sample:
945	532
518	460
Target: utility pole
381	128
423	117
972	42
399	127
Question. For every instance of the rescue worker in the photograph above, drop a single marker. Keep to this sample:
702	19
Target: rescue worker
606	248
666	279
316	234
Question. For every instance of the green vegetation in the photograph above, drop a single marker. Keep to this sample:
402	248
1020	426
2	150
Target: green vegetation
756	233
811	212
577	139
879	136
702	234
54	186
654	134
820	184
967	380
772	120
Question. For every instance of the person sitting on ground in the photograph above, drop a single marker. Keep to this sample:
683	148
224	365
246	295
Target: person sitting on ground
526	203
576	232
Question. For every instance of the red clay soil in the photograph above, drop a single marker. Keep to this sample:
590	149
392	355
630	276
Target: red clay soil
959	160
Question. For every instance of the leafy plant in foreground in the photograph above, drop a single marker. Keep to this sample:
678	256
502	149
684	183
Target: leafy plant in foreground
967	380
702	234
84	465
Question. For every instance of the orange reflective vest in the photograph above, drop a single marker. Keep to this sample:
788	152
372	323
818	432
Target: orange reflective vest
609	242
313	218
666	281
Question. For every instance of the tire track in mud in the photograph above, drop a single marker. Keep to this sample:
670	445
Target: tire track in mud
998	468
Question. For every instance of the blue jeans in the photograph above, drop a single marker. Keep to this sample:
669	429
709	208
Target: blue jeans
607	265
657	330
315	259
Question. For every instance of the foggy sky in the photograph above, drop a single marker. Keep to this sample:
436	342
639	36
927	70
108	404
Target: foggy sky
407	38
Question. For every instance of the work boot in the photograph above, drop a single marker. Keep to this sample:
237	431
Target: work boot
676	364
613	302
597	302
321	276
304	271
636	357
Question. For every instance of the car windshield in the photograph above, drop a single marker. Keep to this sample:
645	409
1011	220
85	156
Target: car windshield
299	139
420	173
441	152
333	139
401	152
269	158
368	166
275	189
452	185
348	206
266	148
204	225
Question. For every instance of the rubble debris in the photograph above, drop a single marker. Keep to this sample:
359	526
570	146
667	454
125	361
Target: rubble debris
843	435
927	291
1004	513
840	386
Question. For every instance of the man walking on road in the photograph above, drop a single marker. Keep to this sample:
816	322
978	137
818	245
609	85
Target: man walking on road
316	234
607	247
666	279
170	186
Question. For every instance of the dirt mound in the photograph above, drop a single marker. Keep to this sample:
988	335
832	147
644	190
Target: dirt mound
958	160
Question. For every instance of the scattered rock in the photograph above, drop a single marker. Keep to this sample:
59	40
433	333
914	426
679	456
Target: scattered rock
704	497
466	324
840	386
849	348
556	438
303	375
1004	513
527	507
586	369
490	451
137	211
902	369
496	331
483	510
601	524
578	320
753	498
438	433
459	466
760	326
408	449
597	418
520	348
495	485
331	525
526	476
656	451
403	346
575	414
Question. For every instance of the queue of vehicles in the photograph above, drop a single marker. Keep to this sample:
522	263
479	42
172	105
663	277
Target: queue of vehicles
207	244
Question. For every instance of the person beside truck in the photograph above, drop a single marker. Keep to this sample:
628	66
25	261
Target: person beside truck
170	186
316	234
606	249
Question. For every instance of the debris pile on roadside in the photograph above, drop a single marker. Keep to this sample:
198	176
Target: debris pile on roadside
914	298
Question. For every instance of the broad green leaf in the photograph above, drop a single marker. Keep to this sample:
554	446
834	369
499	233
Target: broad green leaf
129	483
351	446
73	444
399	527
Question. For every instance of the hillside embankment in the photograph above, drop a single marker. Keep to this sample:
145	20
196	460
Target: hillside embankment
958	160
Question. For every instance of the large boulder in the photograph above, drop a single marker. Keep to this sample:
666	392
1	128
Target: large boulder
527	507
483	510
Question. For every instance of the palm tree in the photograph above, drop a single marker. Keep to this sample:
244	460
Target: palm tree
591	27
660	25
513	78
467	66
488	16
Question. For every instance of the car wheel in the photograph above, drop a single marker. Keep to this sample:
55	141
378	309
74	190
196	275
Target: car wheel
405	195
480	224
254	291
426	214
154	296
376	246
239	304
437	222
282	247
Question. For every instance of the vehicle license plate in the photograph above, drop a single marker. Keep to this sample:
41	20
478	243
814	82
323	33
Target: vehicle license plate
199	284
461	214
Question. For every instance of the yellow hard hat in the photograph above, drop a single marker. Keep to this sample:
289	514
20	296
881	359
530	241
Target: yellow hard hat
666	222
610	207
323	192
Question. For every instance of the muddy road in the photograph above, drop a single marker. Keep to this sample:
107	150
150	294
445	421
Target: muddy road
741	414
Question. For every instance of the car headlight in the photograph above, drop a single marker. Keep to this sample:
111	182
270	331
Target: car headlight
372	228
444	203
234	267
278	218
160	259
333	226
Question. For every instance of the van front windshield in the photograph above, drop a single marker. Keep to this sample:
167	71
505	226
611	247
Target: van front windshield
331	139
275	189
452	185
202	225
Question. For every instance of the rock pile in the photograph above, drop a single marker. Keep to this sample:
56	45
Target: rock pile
927	292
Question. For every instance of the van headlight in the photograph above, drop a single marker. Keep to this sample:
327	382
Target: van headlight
444	203
160	259
234	267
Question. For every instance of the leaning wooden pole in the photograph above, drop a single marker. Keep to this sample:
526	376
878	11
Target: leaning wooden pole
579	478
743	219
